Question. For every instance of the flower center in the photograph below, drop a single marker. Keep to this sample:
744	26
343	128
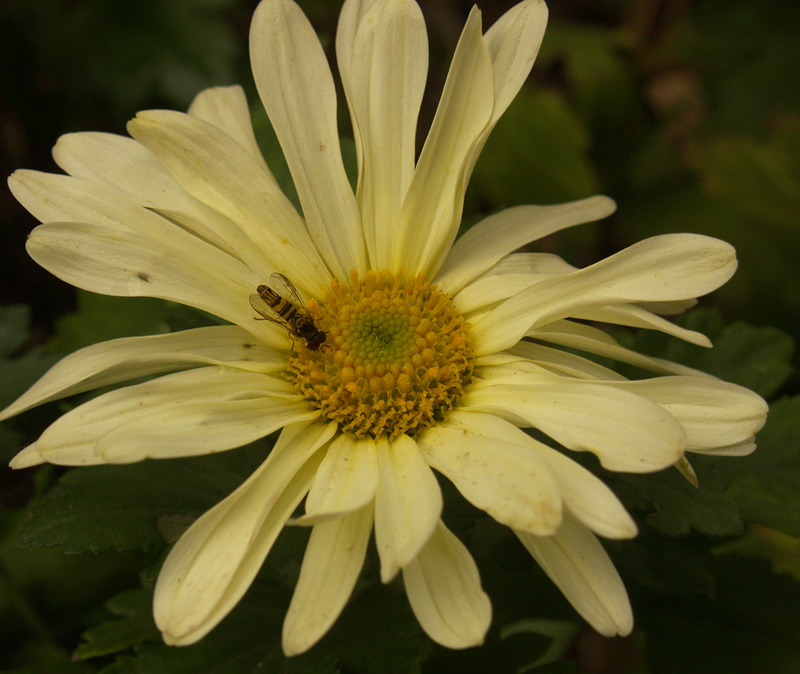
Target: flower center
396	355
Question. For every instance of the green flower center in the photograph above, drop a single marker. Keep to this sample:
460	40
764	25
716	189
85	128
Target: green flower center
396	356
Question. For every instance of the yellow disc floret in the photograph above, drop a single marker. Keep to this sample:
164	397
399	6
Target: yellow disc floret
396	355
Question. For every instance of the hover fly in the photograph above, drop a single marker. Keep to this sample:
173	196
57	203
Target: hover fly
281	304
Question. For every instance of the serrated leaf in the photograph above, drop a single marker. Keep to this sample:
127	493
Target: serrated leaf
134	626
673	507
99	508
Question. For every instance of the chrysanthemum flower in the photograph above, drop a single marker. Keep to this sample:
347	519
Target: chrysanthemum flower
437	352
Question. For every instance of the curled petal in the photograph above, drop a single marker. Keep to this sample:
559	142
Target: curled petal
583	571
407	506
346	480
333	559
662	268
445	593
212	565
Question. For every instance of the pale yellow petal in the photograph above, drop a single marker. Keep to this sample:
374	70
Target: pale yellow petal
118	360
331	564
386	82
346	480
432	208
627	432
407	506
296	87
508	481
582	570
212	565
662	268
445	593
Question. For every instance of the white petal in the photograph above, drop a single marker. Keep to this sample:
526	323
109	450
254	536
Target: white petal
487	291
346	29
513	43
26	458
587	497
662	268
129	264
582	570
183	413
227	109
590	339
636	317
190	429
508	481
563	362
627	432
494	237
214	562
445	593
123	164
130	357
215	169
407	505
740	449
296	87
387	79
713	413
346	480
333	560
432	208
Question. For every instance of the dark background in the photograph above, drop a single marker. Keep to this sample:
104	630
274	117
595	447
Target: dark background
686	112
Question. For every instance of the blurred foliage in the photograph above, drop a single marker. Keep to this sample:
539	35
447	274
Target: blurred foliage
683	112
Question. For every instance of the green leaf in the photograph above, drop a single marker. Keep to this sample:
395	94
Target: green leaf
134	625
751	624
131	53
246	642
377	634
15	321
746	53
101	317
538	153
19	372
100	508
673	507
666	566
45	658
757	358
762	180
766	484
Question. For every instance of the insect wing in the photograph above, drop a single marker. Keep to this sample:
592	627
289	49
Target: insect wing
285	288
266	311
